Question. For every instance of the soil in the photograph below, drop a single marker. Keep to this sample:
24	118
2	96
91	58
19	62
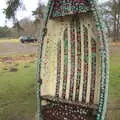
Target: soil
9	49
17	52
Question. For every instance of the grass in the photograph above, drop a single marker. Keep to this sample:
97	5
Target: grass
9	40
114	86
17	91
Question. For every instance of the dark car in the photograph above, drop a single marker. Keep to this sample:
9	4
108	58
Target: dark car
27	39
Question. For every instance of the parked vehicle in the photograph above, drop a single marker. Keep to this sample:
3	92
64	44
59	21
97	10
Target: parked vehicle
27	39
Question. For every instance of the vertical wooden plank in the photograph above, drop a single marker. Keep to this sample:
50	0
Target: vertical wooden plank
72	59
65	63
82	61
89	62
98	74
84	92
58	68
62	64
93	71
76	58
78	30
69	63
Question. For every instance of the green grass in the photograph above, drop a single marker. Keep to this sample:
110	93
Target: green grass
17	94
9	40
114	84
114	87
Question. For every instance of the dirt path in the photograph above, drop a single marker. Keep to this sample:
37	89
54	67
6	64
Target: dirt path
8	49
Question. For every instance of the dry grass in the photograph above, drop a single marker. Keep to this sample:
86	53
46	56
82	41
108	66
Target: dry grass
9	40
17	91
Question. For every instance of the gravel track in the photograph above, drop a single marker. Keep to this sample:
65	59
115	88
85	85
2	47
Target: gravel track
8	49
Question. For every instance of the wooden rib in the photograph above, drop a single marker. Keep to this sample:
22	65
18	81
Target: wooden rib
82	63
84	92
76	59
58	69
89	64
65	63
62	65
69	63
72	60
98	73
77	91
93	71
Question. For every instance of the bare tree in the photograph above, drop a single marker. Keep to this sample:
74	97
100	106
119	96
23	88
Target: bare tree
14	5
28	27
112	18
